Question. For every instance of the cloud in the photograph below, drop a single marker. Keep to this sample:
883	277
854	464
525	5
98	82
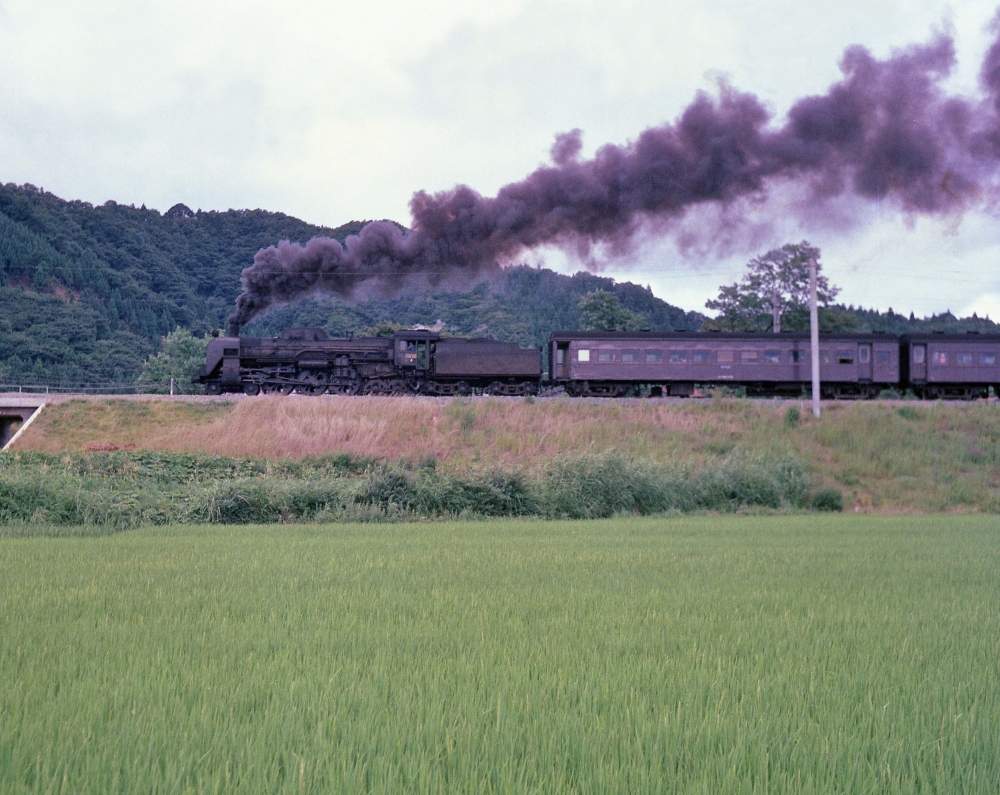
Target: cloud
333	111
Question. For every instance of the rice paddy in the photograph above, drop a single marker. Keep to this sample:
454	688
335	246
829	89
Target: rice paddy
702	654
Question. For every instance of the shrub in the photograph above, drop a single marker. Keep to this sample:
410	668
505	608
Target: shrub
22	501
386	485
908	412
123	490
595	487
792	416
592	487
241	502
827	500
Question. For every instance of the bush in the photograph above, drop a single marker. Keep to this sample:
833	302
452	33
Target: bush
792	417
242	502
595	487
22	501
737	482
429	493
120	490
827	500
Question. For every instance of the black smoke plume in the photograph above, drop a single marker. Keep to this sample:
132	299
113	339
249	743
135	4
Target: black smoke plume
887	130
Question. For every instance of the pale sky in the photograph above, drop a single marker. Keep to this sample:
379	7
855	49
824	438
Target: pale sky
333	111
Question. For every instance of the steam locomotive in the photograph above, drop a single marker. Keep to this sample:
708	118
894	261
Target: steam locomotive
308	361
603	364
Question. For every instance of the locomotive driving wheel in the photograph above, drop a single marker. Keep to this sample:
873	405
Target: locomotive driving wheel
345	385
375	386
312	384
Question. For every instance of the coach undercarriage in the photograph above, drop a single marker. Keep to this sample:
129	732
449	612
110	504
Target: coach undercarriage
616	389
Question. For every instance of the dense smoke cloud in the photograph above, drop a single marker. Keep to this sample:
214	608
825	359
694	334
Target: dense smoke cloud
886	131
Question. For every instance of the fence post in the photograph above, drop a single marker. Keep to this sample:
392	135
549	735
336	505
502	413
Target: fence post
171	386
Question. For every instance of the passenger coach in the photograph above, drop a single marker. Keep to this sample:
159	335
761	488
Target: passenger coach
610	364
962	366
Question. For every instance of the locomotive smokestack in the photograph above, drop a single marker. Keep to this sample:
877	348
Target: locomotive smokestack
887	131
234	328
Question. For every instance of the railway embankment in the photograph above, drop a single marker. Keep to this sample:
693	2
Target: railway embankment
880	456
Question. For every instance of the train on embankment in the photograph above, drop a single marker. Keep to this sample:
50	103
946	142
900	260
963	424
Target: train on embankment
604	364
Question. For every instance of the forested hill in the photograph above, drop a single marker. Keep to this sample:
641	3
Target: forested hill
87	291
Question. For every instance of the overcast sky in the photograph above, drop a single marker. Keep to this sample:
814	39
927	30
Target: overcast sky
333	111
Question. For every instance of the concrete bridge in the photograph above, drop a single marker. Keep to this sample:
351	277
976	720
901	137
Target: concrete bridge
16	412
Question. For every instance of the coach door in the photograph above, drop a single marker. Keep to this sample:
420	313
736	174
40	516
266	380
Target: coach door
561	369
864	362
918	362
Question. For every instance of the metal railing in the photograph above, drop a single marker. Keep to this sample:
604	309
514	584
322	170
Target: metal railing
91	389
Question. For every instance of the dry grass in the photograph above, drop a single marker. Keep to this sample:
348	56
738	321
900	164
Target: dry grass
883	456
462	433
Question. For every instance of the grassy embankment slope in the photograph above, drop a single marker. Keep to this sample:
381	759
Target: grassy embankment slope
779	654
883	457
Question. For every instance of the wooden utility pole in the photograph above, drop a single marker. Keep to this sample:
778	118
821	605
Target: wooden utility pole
775	311
814	335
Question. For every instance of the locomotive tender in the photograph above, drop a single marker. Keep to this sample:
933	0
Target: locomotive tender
604	364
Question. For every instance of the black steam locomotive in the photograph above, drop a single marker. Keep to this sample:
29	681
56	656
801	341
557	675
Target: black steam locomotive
604	364
308	361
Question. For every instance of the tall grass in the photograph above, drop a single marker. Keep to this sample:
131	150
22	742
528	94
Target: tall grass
124	490
779	654
915	457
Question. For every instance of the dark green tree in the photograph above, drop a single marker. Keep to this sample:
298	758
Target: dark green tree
775	284
182	355
601	310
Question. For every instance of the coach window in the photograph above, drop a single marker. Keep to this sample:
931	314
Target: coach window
988	358
772	357
605	356
630	356
560	356
654	356
939	357
796	357
882	357
748	357
725	356
583	355
845	357
678	357
918	354
963	358
824	357
702	357
864	354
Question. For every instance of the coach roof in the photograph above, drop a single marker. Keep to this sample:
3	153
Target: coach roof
707	336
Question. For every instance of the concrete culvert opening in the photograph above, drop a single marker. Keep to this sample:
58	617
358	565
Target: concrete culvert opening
9	425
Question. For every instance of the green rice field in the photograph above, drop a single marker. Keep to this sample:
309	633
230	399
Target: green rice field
809	653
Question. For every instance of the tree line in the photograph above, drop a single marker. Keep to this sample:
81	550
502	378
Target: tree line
101	294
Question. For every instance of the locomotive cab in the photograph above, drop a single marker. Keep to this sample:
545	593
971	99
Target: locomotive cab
414	349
